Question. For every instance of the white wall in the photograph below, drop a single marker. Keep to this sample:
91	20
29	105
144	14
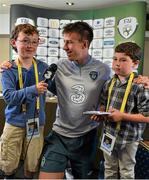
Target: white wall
4	24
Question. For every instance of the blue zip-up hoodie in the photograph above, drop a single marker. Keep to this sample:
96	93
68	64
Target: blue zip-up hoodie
15	97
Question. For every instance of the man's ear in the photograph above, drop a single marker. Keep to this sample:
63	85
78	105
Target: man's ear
85	44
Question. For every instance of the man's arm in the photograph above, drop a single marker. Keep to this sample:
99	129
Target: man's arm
142	80
5	65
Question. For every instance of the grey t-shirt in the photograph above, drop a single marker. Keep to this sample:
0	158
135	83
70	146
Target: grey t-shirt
78	90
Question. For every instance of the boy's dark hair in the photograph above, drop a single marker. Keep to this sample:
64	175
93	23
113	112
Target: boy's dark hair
25	28
130	49
82	28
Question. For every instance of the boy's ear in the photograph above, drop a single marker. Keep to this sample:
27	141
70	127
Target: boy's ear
136	64
13	43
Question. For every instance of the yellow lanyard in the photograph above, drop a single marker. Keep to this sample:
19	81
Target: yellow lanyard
127	91
21	82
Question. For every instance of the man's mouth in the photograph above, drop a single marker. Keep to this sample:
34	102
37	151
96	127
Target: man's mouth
69	53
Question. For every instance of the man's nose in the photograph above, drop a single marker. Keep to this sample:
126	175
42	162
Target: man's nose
65	47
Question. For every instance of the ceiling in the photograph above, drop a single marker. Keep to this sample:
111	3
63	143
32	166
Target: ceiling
61	4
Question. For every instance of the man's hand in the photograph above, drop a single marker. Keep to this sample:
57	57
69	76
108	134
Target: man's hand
142	80
98	118
41	87
5	65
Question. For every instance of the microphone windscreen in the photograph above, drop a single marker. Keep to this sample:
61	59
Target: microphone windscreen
50	72
52	67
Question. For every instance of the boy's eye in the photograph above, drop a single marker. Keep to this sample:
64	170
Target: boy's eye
28	42
25	41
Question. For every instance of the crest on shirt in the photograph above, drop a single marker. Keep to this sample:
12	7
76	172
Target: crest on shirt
93	75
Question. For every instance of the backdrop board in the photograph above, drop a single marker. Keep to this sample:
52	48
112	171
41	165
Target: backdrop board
111	26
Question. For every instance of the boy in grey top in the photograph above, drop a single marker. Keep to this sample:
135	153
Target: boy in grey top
78	83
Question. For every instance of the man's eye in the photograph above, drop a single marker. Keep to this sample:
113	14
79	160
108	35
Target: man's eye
35	42
70	42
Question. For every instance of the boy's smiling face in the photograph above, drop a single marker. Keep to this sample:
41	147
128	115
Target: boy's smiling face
123	65
26	45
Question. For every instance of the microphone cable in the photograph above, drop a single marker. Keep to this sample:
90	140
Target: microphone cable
24	155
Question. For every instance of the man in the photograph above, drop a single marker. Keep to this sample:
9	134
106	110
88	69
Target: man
78	82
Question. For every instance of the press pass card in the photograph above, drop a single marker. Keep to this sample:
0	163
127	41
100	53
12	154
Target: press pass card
32	128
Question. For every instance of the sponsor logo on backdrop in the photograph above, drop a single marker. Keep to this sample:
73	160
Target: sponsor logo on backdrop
24	20
127	27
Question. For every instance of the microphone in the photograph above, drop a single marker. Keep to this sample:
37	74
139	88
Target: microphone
50	72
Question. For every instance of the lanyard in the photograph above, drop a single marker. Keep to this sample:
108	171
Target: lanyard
21	82
127	91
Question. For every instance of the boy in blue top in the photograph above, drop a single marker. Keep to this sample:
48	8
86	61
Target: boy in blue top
127	102
24	94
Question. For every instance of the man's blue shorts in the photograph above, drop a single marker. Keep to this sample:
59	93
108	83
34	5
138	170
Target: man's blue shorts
80	152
